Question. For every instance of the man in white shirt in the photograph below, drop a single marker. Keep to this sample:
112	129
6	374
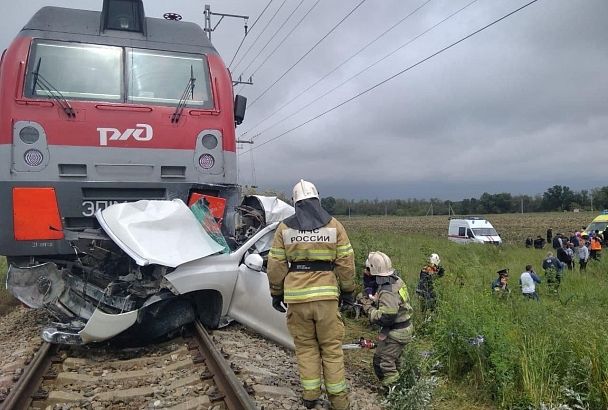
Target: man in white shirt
583	256
528	281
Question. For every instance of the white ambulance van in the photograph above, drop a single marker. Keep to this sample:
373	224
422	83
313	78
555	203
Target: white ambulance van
472	229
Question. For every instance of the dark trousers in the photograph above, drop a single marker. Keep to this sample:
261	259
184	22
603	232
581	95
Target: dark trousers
532	295
583	264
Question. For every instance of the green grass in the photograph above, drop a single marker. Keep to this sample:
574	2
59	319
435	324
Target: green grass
548	353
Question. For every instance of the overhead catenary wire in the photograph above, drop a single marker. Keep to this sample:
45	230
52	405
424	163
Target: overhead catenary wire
339	66
419	62
331	90
273	35
249	31
260	35
308	52
284	39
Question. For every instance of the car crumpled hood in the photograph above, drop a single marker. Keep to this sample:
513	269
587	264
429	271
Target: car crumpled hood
157	232
275	210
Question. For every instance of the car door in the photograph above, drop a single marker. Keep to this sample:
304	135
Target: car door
251	303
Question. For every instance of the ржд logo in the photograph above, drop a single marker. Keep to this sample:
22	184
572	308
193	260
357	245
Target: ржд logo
143	132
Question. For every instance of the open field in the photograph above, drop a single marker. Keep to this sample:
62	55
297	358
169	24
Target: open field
513	228
552	353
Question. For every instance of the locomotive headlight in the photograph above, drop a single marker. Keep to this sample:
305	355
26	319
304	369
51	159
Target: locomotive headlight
29	135
206	161
209	141
33	157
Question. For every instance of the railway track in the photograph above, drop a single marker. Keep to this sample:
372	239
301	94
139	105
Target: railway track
185	373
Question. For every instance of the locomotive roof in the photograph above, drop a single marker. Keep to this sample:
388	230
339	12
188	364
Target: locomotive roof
58	23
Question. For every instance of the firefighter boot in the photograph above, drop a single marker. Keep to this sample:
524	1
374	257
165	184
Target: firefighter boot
339	401
313	404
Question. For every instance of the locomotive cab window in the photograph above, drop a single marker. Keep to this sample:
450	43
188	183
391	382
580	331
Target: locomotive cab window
166	78
74	71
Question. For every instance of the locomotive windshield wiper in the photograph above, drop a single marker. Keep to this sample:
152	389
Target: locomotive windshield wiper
52	91
182	101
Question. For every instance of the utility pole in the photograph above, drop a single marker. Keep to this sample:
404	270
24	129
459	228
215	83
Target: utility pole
208	26
522	204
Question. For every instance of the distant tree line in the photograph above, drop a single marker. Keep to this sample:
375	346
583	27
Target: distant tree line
556	198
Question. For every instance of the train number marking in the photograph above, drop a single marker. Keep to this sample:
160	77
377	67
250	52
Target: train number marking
42	244
90	207
143	132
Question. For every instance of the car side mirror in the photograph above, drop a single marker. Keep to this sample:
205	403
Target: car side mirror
240	105
254	262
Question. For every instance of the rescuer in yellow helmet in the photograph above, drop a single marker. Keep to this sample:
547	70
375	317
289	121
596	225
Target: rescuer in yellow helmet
393	313
310	266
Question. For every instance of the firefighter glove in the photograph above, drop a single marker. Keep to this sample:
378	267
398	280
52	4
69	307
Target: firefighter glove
277	303
367	304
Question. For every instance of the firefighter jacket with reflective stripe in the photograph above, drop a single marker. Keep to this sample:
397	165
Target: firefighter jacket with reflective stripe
326	244
394	310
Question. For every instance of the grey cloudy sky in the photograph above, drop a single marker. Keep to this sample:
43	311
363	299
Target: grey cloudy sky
518	108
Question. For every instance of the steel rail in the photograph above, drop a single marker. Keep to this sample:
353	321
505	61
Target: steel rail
20	395
236	397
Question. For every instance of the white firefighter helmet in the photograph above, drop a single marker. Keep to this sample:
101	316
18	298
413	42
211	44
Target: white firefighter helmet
304	190
380	264
434	259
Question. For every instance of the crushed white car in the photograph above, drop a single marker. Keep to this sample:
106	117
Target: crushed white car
154	267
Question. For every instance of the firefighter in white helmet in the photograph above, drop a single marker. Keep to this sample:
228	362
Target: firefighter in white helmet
310	266
393	313
425	288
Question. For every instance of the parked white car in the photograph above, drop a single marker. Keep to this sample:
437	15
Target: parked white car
472	229
153	269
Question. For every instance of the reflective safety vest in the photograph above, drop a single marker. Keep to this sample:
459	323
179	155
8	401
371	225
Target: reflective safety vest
394	310
328	244
596	245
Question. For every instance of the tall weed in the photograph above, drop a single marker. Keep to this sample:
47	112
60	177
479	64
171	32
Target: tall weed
516	352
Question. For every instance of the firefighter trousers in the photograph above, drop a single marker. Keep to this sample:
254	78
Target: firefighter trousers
386	360
318	330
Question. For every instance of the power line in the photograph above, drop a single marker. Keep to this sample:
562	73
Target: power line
366	68
284	39
394	75
272	36
250	28
260	35
286	36
308	52
339	66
